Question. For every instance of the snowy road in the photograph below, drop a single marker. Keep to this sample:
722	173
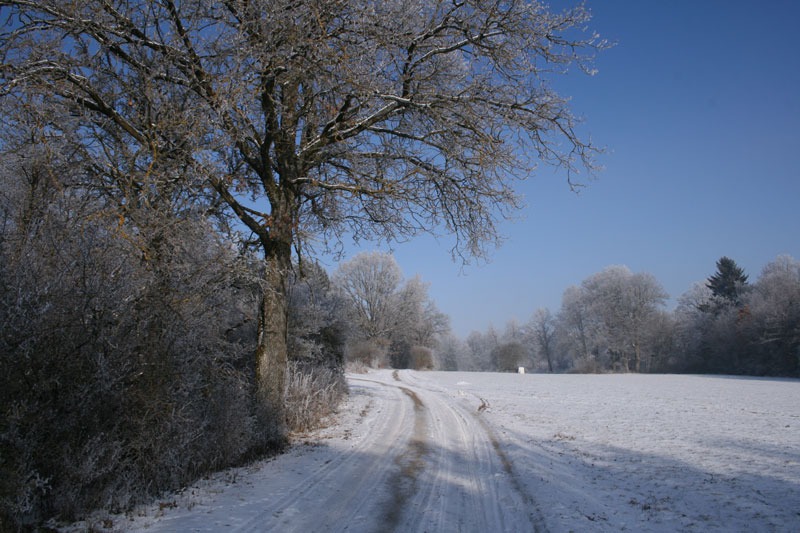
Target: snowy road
438	451
410	460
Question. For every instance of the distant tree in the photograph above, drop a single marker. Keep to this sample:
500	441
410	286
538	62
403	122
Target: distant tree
624	303
508	356
421	358
493	339
433	323
737	331
708	336
396	314
692	325
417	320
575	322
367	352
452	353
728	282
481	347
773	325
660	338
513	331
369	282
317	326
541	327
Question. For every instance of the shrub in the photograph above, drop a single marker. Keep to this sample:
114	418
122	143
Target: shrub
122	371
371	353
422	358
585	365
312	393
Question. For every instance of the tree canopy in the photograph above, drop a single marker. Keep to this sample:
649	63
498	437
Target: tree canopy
303	120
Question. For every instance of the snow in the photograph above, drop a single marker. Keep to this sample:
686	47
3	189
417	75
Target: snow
648	452
449	451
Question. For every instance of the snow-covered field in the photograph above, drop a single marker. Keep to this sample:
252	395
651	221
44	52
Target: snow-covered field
442	451
648	452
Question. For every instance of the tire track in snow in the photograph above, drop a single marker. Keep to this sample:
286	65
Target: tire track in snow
459	494
362	473
486	456
482	490
360	458
537	523
410	463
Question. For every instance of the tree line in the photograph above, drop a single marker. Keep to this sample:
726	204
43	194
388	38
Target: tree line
616	321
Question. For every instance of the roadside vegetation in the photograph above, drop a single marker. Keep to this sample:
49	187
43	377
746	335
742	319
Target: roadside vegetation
127	349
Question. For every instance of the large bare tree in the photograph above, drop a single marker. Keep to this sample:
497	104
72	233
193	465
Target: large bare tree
375	118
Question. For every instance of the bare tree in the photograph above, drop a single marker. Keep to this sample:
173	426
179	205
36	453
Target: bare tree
513	331
417	319
508	356
576	323
542	328
370	282
452	353
383	119
387	310
775	309
624	303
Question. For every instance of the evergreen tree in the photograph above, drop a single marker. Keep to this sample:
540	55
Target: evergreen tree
729	280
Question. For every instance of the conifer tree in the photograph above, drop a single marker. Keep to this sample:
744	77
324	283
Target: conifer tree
729	280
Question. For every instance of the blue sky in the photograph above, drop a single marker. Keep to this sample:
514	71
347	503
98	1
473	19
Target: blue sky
698	106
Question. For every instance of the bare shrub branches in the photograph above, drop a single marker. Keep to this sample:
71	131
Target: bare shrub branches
122	371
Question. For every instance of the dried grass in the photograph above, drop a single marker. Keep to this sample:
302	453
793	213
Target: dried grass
312	394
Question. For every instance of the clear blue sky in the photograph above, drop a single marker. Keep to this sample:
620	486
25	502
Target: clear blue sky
698	105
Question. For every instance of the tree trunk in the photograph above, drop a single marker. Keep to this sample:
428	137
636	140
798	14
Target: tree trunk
273	329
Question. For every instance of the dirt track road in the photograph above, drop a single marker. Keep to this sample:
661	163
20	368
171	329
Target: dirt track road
409	459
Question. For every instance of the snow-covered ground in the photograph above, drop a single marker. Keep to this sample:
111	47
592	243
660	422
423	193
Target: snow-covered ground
647	452
442	451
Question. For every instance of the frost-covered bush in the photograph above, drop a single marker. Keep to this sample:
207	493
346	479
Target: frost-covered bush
312	393
371	353
126	366
317	331
421	358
